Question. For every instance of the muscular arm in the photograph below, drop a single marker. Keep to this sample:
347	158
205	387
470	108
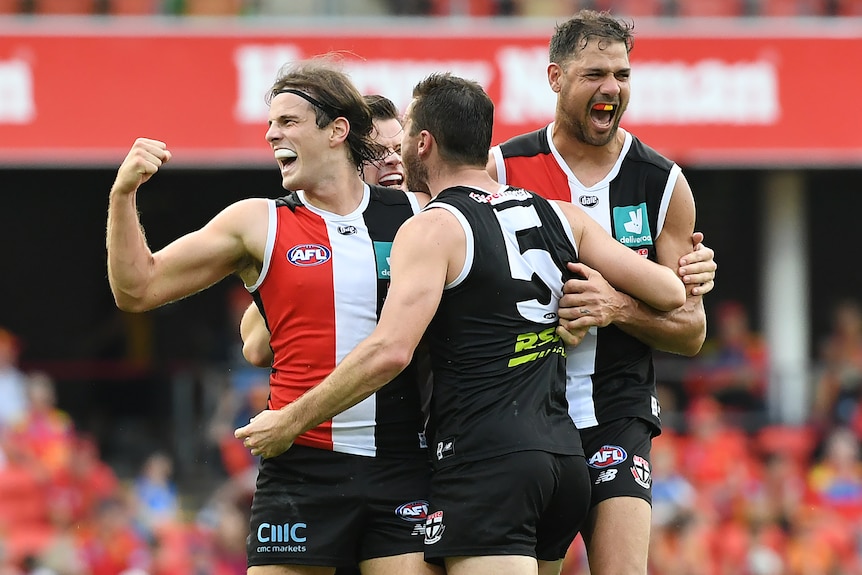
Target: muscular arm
419	263
140	279
652	283
681	330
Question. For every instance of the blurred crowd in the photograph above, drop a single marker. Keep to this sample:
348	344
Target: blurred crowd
440	8
734	491
65	511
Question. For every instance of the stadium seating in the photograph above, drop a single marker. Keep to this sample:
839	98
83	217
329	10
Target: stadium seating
65	7
633	8
23	512
710	8
213	7
10	6
849	8
797	442
792	8
133	7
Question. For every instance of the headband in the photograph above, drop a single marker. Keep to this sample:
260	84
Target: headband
329	110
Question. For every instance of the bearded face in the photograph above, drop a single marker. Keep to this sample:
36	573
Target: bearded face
594	92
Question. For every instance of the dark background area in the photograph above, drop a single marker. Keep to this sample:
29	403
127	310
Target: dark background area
116	372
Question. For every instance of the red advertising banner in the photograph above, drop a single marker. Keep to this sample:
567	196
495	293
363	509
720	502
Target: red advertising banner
81	95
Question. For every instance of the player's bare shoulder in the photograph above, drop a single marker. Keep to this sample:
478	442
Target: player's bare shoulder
577	218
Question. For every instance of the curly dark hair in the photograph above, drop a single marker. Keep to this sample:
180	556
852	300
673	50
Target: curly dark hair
574	34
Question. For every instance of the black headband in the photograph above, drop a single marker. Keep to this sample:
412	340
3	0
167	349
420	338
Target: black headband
329	110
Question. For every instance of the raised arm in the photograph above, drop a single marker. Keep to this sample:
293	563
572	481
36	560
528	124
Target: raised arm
681	330
140	279
419	262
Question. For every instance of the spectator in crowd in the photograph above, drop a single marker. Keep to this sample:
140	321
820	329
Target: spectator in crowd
46	433
109	543
673	496
13	396
78	487
155	494
733	366
835	481
778	492
839	387
714	455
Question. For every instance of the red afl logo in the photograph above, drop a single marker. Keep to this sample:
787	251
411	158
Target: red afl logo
607	456
306	255
415	511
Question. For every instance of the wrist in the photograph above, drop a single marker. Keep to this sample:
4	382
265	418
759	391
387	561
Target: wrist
623	308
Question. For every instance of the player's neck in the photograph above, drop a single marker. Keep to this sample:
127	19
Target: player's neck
589	163
450	177
336	195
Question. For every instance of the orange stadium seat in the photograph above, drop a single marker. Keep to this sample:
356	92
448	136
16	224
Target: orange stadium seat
632	8
792	8
849	8
213	7
23	542
64	7
133	7
22	500
710	8
10	6
797	442
474	7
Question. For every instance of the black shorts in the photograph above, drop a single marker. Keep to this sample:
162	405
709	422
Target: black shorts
528	503
318	507
618	455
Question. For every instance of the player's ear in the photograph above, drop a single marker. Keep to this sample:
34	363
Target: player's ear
555	72
340	127
425	143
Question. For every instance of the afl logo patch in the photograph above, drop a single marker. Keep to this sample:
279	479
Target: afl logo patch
608	456
588	201
306	255
416	511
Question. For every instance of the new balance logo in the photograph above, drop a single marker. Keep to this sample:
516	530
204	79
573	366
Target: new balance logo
606	475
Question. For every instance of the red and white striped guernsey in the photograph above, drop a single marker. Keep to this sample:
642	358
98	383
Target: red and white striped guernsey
610	373
324	279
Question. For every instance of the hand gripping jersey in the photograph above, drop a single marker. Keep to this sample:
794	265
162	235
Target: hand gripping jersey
499	368
321	289
610	374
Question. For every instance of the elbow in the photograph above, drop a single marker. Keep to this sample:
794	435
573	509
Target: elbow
128	303
256	355
674	299
691	347
129	298
394	360
690	344
696	342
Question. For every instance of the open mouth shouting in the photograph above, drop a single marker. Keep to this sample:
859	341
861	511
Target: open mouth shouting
285	158
393	180
602	114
